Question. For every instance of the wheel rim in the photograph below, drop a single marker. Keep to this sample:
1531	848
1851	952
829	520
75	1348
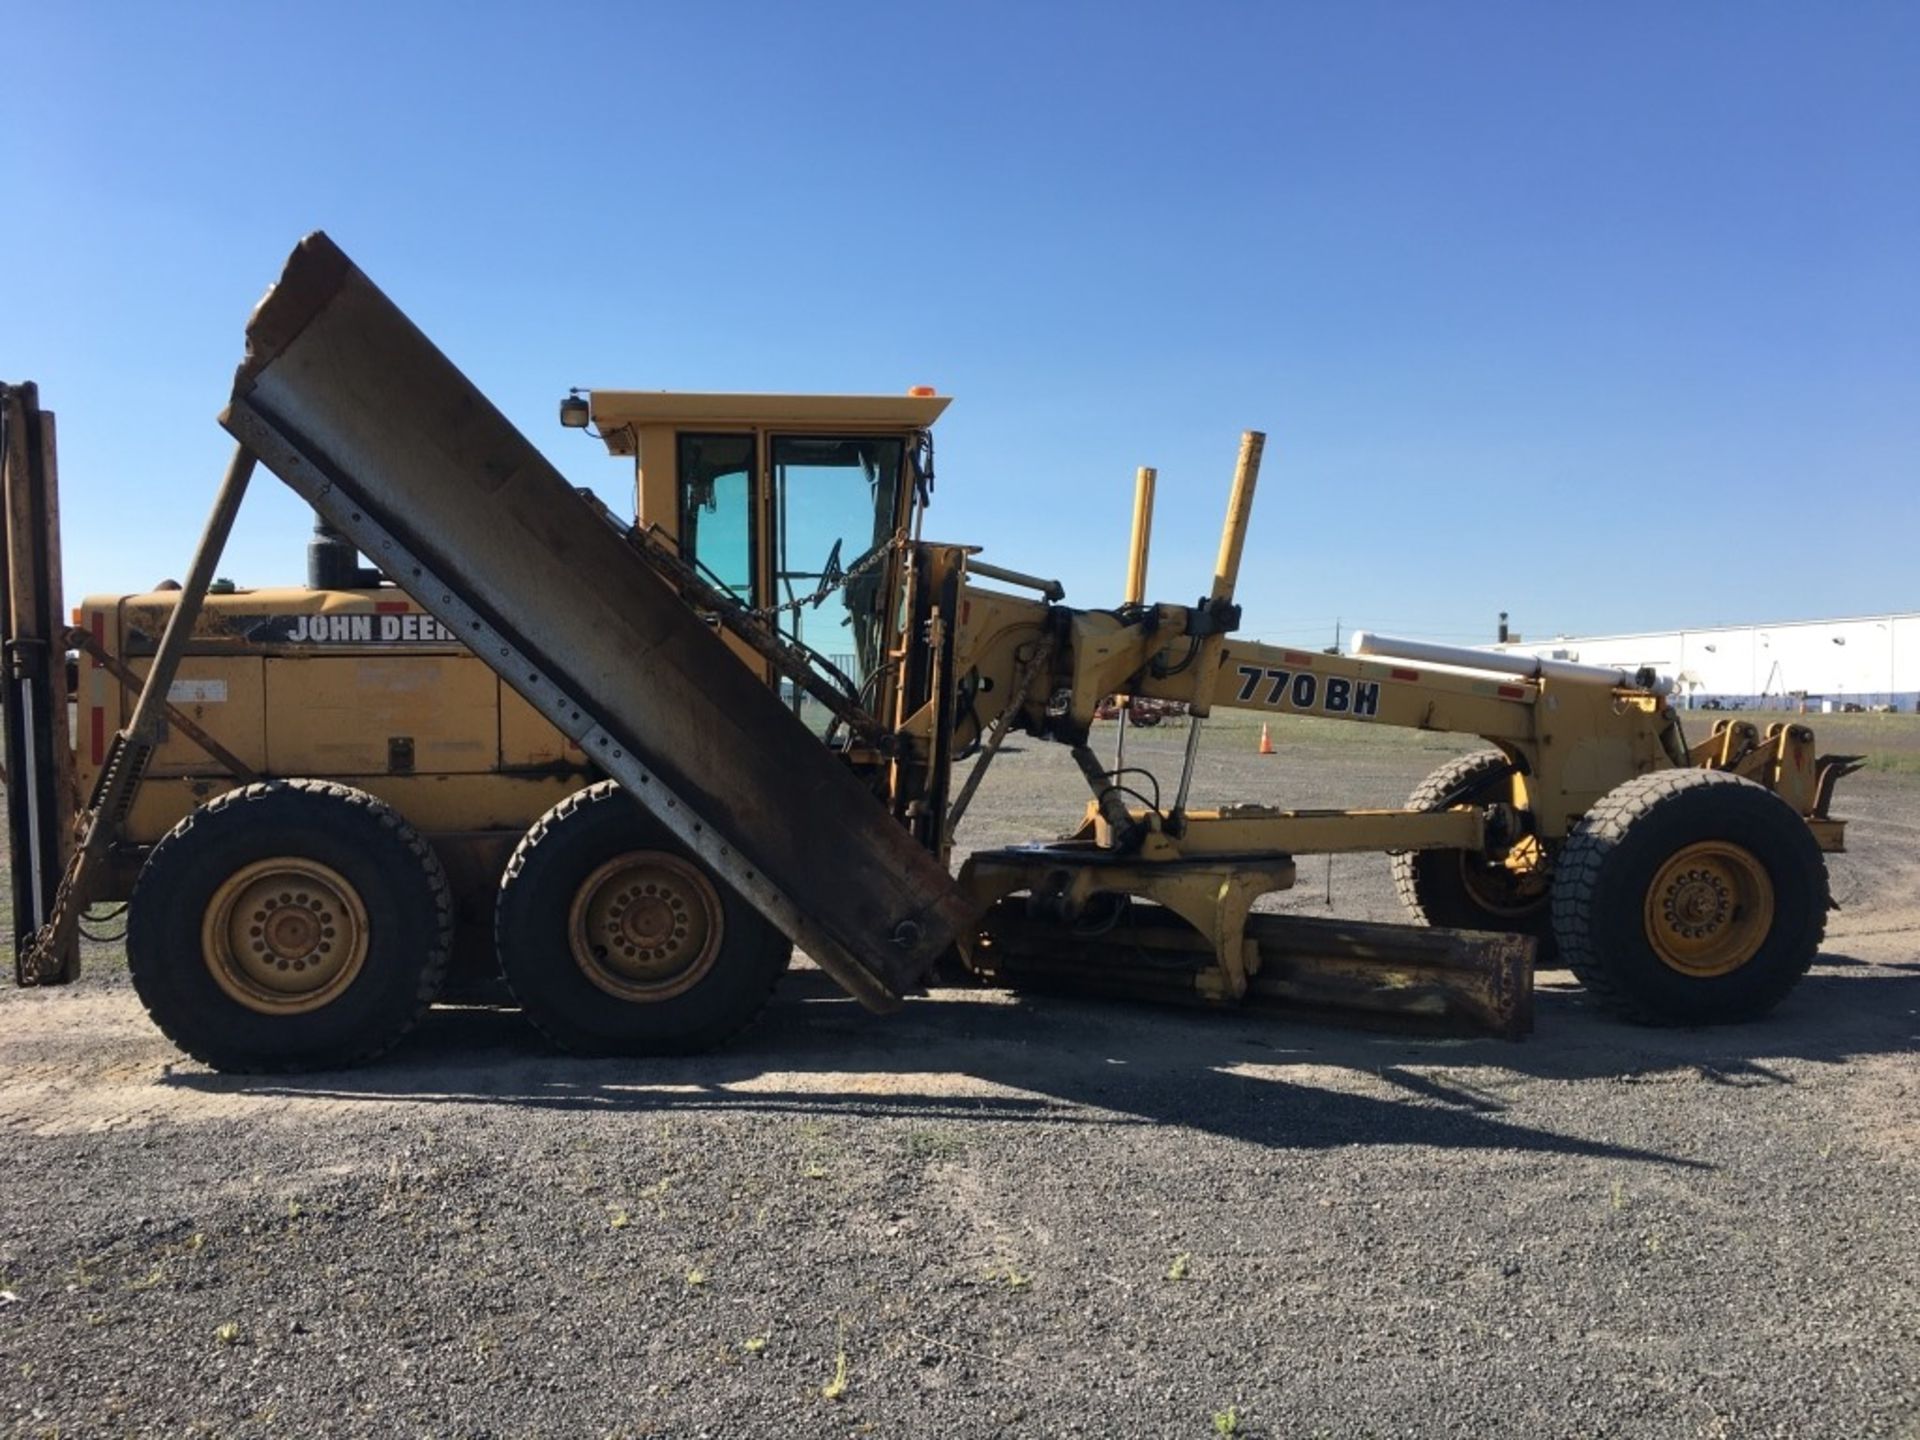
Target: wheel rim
645	926
1515	887
1709	909
285	935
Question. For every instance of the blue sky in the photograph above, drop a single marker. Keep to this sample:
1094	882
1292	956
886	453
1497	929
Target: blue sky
1608	316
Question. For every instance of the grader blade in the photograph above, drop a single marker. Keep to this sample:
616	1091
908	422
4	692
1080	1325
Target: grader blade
1479	978
1347	971
353	407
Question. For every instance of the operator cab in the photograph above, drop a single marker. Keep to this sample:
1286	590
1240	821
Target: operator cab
797	505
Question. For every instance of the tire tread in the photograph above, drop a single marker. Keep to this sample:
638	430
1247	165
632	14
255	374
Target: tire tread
564	813
168	856
1578	875
1426	796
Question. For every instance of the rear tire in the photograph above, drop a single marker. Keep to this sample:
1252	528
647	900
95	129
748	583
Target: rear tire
290	925
618	941
1459	890
1690	897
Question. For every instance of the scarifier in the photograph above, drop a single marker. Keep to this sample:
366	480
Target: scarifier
652	757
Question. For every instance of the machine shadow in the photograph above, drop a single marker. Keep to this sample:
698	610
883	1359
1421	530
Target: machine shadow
979	1056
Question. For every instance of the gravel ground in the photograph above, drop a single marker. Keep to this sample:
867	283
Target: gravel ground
998	1215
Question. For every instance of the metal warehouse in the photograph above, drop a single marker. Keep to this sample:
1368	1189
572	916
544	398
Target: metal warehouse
1871	660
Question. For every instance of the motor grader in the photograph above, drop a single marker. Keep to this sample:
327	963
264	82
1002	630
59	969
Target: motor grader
652	756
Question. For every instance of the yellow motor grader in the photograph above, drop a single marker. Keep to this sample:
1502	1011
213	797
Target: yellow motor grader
651	756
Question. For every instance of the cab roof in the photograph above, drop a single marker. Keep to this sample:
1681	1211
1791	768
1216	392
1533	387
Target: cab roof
614	411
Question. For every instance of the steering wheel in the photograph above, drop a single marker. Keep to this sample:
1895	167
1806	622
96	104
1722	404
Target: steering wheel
830	575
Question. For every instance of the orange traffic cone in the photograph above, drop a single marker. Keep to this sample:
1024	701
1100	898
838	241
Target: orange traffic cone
1266	740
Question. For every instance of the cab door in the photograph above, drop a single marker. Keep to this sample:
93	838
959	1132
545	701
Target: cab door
721	520
835	512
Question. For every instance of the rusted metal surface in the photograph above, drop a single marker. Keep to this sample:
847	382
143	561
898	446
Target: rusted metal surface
1452	980
1478	977
354	408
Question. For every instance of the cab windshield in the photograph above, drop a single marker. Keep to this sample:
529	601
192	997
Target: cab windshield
836	507
818	550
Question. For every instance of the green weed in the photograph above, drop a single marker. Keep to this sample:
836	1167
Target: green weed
836	1388
934	1145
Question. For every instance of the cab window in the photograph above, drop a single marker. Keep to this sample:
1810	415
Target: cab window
716	508
835	506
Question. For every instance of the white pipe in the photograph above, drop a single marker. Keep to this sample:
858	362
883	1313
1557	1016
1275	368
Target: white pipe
1527	667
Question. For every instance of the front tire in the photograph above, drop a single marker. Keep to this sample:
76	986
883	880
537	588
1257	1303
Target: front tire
1690	897
290	925
1459	890
616	941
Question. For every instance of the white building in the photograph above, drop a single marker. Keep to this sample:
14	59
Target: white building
1871	660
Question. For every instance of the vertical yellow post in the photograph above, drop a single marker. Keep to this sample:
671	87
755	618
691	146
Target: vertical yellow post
1226	573
1142	535
1233	536
1226	569
1136	584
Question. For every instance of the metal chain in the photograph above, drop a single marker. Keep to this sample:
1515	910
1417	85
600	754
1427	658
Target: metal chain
828	588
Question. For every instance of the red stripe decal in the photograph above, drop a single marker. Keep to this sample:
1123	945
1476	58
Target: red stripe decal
99	737
1294	657
1512	692
391	607
1398	674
